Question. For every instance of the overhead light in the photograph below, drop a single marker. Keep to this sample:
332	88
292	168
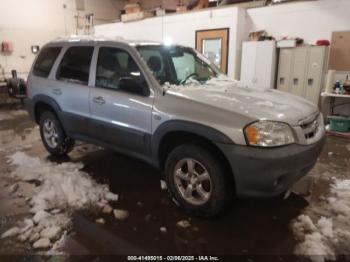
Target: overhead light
167	41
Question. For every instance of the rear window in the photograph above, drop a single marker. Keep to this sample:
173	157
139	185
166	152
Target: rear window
45	61
75	65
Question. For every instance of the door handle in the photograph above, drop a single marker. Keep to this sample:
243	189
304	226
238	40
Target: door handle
99	100
57	92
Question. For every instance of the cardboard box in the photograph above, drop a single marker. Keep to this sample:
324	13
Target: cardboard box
136	16
287	43
170	5
132	8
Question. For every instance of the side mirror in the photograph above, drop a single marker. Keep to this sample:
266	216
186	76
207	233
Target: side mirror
132	86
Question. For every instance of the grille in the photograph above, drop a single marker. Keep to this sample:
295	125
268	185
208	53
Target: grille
310	127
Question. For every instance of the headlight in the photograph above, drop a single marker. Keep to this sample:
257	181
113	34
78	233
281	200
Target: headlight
268	134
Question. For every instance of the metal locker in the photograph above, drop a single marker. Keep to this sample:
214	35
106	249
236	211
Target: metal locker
299	71
315	73
284	69
258	65
248	62
265	66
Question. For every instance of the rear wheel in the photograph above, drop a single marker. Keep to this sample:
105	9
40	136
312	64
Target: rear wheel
53	136
196	180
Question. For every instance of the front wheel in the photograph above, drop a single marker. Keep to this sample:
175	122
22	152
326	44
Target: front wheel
197	180
53	136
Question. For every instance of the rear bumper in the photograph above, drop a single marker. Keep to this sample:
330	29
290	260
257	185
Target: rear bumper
267	172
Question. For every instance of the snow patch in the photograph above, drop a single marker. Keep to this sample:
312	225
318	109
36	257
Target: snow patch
330	234
264	103
11	232
163	185
163	230
120	214
183	224
42	243
63	189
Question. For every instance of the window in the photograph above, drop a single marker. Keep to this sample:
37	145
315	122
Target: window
114	64
176	64
75	65
184	65
45	61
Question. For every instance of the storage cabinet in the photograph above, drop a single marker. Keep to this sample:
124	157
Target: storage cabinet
301	71
258	68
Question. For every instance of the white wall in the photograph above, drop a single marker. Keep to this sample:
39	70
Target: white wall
180	28
35	22
309	20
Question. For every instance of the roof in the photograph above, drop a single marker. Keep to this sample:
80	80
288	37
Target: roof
93	38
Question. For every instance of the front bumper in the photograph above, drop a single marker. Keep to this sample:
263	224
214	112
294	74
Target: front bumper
267	172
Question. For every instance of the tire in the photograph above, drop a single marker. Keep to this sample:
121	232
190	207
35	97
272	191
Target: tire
216	191
50	127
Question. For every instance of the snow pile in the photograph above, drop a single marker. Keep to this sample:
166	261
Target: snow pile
63	189
219	82
330	235
265	103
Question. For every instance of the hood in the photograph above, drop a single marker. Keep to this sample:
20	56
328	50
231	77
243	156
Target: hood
256	103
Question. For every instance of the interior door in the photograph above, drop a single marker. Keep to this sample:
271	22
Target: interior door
214	45
119	117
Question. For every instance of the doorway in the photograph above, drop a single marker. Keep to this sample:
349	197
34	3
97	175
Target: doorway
213	44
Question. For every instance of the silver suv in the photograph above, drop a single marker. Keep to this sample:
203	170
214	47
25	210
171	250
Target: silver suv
169	106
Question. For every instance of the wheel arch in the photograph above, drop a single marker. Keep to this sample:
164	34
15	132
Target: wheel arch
42	103
174	133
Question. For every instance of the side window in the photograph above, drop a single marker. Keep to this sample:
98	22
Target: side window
75	65
155	62
114	64
184	65
45	61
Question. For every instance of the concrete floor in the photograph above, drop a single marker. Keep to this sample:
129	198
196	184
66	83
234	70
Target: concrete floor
248	227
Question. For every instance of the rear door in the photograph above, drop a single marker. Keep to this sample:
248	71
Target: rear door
71	88
120	118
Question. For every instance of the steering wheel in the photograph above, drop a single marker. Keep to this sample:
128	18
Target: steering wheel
188	77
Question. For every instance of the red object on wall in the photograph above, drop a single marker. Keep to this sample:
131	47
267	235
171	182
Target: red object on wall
6	47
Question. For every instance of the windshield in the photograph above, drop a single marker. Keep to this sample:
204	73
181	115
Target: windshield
176	64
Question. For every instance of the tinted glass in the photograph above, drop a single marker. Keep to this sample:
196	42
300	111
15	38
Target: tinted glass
45	61
114	64
75	65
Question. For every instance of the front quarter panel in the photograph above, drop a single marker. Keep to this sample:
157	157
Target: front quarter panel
173	107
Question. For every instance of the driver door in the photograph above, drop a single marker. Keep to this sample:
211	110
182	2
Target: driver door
120	118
